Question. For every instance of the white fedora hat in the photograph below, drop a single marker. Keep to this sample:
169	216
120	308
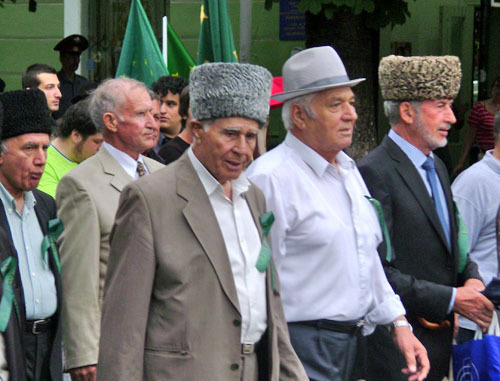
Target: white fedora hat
313	70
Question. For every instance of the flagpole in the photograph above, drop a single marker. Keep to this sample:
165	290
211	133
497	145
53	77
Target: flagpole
245	30
164	40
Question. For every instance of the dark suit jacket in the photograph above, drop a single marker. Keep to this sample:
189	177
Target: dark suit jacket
424	269
45	209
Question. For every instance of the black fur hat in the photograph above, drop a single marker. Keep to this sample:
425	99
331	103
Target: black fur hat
25	112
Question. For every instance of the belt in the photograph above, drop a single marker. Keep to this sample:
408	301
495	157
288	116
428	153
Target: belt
38	326
352	327
445	324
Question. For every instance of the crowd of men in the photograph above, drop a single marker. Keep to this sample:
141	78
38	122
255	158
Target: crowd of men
298	265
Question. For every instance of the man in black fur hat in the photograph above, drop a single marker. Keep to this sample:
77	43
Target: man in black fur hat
28	219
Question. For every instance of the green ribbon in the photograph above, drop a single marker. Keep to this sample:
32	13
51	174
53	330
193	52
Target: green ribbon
380	213
8	269
55	228
462	240
266	222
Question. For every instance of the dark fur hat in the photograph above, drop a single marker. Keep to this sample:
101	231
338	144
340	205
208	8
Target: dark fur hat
25	112
419	78
223	90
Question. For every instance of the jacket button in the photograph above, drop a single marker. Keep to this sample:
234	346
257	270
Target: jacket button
235	366
237	322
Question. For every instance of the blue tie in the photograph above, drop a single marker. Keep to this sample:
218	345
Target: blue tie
433	181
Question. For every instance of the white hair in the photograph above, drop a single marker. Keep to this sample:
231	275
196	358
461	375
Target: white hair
391	110
304	101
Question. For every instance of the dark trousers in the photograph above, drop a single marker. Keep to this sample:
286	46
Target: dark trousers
326	355
465	335
37	351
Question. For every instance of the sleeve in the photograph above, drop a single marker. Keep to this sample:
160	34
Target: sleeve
48	182
471	214
128	289
421	297
79	248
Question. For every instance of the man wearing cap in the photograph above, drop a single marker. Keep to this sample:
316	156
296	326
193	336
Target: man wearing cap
77	139
70	48
326	232
44	77
87	199
189	266
27	217
430	269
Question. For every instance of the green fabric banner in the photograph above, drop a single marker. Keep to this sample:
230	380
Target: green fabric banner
180	62
141	57
216	36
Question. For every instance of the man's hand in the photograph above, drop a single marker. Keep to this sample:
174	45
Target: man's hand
469	302
414	352
84	373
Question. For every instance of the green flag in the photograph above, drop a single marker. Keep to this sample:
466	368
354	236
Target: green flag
140	57
180	62
216	36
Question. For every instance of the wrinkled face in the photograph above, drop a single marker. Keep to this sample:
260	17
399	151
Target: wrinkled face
330	131
226	147
70	61
432	124
170	120
49	84
21	167
88	147
136	128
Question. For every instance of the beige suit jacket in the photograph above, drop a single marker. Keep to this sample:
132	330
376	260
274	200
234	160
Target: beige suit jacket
170	307
87	200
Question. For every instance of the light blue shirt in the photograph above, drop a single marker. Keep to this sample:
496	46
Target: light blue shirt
39	287
418	158
126	162
477	194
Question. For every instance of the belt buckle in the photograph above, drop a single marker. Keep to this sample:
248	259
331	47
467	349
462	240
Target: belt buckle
247	348
359	326
34	330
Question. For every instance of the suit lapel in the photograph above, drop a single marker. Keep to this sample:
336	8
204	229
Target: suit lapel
254	209
118	178
203	222
412	178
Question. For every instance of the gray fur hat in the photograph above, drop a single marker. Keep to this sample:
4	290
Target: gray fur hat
223	90
419	78
25	112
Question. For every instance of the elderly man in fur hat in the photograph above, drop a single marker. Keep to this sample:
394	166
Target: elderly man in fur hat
26	217
326	232
430	268
191	292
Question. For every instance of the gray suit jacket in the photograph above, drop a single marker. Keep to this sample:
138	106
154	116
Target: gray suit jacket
87	200
170	307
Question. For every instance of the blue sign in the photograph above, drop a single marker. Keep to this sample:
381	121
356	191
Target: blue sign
292	21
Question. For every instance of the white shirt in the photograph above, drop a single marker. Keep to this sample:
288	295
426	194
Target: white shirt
324	238
126	161
477	194
243	245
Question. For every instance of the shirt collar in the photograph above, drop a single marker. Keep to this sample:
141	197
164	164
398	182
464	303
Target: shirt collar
416	156
128	164
491	161
210	183
317	163
9	202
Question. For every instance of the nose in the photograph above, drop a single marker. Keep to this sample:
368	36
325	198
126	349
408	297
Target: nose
40	157
450	116
242	146
350	112
58	92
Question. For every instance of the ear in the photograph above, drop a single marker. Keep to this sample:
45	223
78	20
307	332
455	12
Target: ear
110	121
407	112
298	115
196	128
76	136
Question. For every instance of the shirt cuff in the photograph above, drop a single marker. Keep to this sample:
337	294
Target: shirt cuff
383	314
452	300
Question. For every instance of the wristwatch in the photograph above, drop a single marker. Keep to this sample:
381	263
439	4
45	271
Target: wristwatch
399	323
